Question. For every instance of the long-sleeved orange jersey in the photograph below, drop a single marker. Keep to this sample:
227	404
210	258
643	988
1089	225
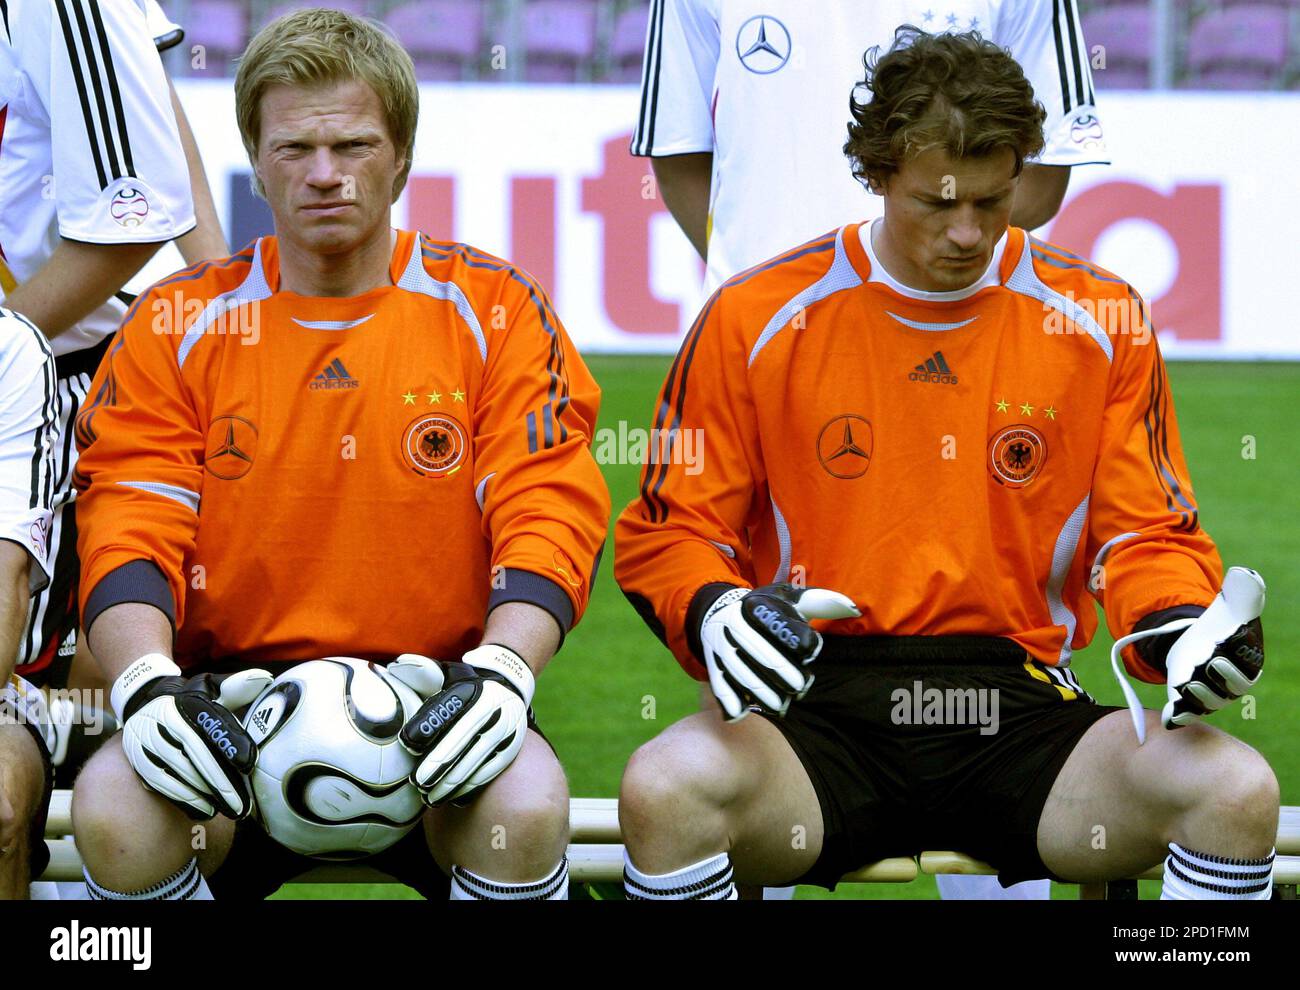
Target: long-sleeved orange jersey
360	476
968	467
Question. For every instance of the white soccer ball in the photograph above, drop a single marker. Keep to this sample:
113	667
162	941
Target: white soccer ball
331	778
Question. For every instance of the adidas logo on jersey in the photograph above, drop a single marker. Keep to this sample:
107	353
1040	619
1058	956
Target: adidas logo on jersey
935	371
333	377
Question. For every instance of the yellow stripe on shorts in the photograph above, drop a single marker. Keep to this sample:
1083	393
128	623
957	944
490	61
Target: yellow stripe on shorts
1038	674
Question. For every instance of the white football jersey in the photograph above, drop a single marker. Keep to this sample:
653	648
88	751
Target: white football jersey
764	85
28	432
89	149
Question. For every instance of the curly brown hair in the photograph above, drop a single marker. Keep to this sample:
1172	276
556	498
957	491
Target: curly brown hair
958	92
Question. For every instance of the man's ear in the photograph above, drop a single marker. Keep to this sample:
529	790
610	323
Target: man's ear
876	184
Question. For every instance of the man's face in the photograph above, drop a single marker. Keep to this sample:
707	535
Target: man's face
327	164
943	217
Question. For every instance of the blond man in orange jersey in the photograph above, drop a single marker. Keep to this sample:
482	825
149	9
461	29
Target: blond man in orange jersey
968	435
343	440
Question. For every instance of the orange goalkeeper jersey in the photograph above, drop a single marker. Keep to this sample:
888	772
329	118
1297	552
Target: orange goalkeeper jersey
979	466
360	476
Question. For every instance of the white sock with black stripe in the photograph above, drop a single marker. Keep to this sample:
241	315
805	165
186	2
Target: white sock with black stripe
187	884
467	886
1194	876
708	880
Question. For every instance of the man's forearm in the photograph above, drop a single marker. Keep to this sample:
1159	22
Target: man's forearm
1039	195
122	634
528	630
76	280
685	181
206	240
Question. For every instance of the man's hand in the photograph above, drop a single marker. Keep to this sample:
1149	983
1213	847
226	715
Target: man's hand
1220	656
756	644
473	728
181	736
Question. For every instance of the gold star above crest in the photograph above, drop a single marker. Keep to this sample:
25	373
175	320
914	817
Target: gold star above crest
458	396
1026	409
1049	412
408	399
1002	405
435	397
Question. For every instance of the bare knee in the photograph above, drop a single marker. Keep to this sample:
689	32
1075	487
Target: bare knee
128	837
1226	796
516	830
681	776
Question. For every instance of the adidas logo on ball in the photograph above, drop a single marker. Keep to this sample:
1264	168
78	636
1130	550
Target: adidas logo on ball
212	726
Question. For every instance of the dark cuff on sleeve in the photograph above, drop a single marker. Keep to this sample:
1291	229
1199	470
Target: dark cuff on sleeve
701	602
137	581
525	586
1154	651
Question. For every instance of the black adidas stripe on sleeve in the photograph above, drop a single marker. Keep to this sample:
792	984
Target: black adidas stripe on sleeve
96	79
643	139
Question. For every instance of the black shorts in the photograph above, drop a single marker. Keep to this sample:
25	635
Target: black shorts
257	866
916	743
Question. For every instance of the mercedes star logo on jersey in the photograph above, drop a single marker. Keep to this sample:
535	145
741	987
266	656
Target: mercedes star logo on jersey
763	44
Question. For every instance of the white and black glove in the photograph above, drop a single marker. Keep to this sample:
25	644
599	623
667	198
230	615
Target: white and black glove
473	728
1220	656
182	737
1211	656
756	644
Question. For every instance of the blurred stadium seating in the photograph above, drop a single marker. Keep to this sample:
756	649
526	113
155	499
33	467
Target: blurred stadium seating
1134	44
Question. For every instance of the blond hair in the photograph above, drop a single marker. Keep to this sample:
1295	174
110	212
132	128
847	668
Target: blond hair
319	46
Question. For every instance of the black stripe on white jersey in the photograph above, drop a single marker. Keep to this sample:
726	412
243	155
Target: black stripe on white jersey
115	94
1061	66
107	134
42	480
71	45
4	13
643	139
1072	23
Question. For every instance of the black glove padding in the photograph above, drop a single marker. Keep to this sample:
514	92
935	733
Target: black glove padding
183	739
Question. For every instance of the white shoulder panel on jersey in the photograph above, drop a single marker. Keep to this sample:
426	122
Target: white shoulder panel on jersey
28	433
166	32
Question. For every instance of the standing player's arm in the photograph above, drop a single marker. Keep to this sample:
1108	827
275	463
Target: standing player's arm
1040	194
1147	559
119	177
675	126
75	281
1047	40
206	240
685	182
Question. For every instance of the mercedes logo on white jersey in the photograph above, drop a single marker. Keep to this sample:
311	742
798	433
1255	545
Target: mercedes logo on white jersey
763	44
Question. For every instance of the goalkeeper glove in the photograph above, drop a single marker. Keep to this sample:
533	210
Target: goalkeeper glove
1220	656
756	643
182	738
473	728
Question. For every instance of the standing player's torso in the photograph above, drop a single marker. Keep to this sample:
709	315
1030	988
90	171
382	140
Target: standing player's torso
339	475
951	445
781	110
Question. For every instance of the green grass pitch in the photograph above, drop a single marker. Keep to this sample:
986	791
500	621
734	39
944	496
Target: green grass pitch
595	698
